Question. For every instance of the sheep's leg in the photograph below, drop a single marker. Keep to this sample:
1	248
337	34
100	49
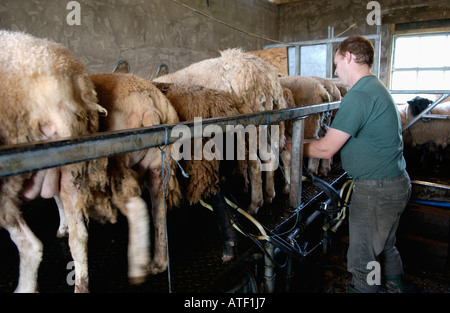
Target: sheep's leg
313	166
269	187
159	262
325	167
286	162
256	186
269	148
270	167
226	228
78	235
63	229
138	240
30	250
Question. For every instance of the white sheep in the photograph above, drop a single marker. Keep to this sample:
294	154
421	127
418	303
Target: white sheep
46	94
256	83
133	102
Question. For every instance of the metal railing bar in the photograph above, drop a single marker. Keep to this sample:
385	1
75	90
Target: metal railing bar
23	158
428	109
419	91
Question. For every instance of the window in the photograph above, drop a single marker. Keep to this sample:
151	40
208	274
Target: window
420	62
313	60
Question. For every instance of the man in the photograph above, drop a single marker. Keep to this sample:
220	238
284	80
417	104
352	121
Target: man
367	132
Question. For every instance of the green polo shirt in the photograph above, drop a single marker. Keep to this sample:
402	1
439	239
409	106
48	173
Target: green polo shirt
369	115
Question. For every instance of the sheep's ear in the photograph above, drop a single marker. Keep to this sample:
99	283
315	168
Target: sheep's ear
122	66
410	102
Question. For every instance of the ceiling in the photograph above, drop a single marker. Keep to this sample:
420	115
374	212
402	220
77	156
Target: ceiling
283	1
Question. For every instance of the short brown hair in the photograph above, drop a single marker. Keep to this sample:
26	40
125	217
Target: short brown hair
360	47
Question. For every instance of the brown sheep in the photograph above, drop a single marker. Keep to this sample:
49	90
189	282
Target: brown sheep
308	91
192	102
285	153
47	94
336	90
332	87
134	102
256	83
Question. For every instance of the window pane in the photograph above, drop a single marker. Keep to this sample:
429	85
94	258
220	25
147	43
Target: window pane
292	61
404	80
447	80
313	60
432	51
447	52
406	54
430	80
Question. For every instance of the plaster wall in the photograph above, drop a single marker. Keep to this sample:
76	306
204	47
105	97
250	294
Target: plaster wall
145	32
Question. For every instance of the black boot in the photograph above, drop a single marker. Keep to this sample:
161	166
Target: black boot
395	284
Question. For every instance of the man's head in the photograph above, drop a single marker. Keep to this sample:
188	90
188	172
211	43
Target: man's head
354	53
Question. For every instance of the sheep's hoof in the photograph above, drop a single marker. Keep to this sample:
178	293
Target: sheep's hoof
136	281
62	233
253	210
81	289
268	200
156	268
254	206
228	251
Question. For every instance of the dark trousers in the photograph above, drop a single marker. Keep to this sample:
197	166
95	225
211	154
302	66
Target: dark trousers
375	209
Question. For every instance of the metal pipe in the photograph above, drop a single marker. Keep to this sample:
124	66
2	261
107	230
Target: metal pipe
378	51
436	116
269	266
430	184
429	92
27	157
428	109
296	163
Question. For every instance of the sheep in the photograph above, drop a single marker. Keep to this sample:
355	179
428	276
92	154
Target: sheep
332	87
285	153
256	83
134	102
46	95
336	90
431	134
308	91
203	183
343	89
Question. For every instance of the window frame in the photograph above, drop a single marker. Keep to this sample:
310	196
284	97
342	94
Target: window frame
413	33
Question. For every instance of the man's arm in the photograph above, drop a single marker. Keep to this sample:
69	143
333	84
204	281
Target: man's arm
327	146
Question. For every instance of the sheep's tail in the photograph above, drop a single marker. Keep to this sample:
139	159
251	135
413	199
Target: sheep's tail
96	186
171	184
168	115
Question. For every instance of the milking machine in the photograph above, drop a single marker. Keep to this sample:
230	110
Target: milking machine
273	245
